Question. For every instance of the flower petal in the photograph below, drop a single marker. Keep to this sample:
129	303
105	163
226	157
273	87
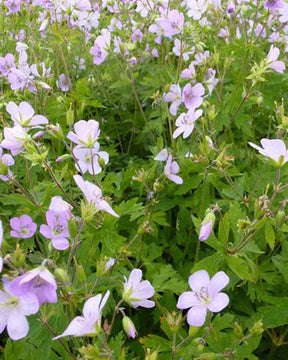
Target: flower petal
219	302
196	316
198	280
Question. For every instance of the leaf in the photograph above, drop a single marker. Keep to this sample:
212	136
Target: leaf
270	235
167	279
239	267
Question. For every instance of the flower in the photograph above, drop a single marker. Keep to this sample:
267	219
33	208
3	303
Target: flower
274	4
207	225
23	115
185	123
6	64
1	240
39	282
174	96
63	83
93	195
129	327
15	139
172	23
6	160
162	155
58	205
22	227
196	8
56	229
137	292
192	96
274	149
13	310
171	169
90	323
272	57
88	159
86	133
205	230
205	295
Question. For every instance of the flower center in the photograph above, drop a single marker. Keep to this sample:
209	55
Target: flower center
203	296
24	230
58	229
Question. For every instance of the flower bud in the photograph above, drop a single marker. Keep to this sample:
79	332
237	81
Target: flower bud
63	158
129	327
238	330
70	116
72	228
206	226
80	273
61	276
280	218
55	131
38	135
193	330
153	356
257	328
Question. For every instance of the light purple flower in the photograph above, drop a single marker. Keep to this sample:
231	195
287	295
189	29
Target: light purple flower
58	205
6	160
1	240
137	36
63	83
13	6
100	46
274	149
86	133
39	282
22	227
192	96
144	6
93	195
230	7
185	123
90	323
205	230
23	115
13	310
284	13
109	264
88	159
56	229
137	292
205	295
15	139
6	64
171	169
174	96
172	23
272	57
190	72
210	80
196	8
274	4
162	155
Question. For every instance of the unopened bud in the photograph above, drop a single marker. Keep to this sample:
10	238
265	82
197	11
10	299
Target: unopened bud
280	218
129	327
61	276
80	273
72	228
257	328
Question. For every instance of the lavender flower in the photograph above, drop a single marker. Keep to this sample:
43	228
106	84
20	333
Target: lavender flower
171	169
13	310
273	63
205	295
22	227
88	159
93	195
192	96
205	230
58	205
174	97
137	292
6	64
39	282
185	123
274	149
56	229
1	240
172	23
162	155
63	83
86	133
90	323
6	160
15	139
274	4
23	115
